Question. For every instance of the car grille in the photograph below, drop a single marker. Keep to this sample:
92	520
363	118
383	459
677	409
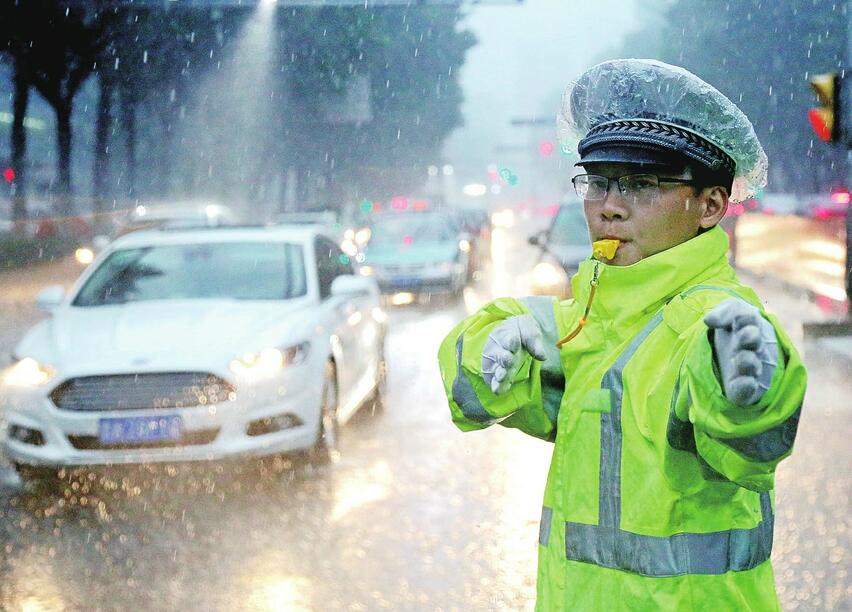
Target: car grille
163	390
191	438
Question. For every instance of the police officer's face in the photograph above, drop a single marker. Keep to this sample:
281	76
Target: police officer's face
646	225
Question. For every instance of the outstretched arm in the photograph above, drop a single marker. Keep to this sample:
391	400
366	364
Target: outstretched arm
491	365
743	392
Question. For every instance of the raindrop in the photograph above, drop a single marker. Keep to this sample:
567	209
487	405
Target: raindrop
145	56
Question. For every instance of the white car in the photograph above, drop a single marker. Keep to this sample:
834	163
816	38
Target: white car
196	344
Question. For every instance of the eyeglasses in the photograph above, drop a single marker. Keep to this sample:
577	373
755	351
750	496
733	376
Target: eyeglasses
639	186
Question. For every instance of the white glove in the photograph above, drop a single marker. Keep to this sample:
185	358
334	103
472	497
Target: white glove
506	350
746	350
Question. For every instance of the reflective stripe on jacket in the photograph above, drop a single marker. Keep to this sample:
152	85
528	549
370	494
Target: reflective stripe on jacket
659	492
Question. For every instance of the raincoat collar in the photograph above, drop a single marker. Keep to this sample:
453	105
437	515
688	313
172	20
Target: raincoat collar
626	293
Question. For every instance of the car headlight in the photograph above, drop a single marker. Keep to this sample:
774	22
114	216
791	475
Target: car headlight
27	372
545	274
268	362
365	270
362	236
349	247
84	255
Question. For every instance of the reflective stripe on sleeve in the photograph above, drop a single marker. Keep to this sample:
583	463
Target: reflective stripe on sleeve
768	445
552	376
463	393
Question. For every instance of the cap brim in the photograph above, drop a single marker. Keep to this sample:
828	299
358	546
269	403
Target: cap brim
627	154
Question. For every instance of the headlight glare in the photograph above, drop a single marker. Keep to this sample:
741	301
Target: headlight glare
27	372
545	274
268	362
84	255
363	235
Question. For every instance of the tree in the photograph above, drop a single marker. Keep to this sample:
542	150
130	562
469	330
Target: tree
760	54
412	59
12	47
59	45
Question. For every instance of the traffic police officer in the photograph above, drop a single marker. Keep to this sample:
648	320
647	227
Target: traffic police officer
670	394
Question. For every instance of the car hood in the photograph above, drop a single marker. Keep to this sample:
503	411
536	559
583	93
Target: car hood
174	334
424	252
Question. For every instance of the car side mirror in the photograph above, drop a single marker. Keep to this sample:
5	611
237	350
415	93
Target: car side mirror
50	297
351	285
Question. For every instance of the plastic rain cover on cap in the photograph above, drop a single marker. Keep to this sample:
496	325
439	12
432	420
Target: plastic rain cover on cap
648	89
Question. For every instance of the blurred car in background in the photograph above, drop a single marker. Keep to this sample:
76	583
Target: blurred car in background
503	218
829	206
326	218
350	237
564	245
779	203
196	344
476	223
417	253
149	216
7	226
177	214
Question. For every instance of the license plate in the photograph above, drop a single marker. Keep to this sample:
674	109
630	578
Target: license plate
405	281
140	429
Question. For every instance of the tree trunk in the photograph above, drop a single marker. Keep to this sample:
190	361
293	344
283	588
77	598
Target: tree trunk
65	206
100	171
19	148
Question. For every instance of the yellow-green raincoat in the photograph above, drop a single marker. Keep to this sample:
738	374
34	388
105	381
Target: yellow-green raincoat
659	495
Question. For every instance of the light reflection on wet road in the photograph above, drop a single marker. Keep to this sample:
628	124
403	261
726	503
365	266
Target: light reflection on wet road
414	516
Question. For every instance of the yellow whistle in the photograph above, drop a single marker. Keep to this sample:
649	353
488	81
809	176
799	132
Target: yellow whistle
605	248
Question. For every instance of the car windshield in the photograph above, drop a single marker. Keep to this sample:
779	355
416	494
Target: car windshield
410	228
231	270
569	227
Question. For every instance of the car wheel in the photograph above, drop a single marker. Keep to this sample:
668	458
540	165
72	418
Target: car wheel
325	447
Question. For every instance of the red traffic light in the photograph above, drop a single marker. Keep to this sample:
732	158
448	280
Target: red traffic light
8	174
821	124
824	119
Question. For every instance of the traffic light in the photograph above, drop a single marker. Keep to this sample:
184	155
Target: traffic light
9	174
825	119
